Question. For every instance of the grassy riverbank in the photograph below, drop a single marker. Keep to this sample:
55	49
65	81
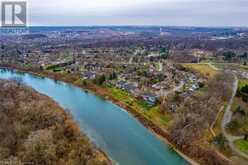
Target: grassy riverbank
151	113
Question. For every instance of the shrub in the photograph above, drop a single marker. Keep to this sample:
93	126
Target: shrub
234	124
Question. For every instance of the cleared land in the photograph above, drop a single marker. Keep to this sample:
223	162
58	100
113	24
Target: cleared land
204	69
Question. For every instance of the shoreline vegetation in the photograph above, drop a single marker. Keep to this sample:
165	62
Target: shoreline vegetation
34	129
158	131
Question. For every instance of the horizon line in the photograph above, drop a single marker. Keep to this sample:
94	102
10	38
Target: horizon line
185	26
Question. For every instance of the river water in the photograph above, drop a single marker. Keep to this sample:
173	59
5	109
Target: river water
116	132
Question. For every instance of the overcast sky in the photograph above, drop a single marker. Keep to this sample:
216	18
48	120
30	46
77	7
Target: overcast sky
139	12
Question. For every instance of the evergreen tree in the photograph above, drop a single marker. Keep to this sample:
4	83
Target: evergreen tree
228	56
101	80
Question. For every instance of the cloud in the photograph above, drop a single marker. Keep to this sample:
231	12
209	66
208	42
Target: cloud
140	12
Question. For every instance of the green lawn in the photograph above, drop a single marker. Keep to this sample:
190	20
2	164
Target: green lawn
242	145
125	97
242	83
141	106
155	115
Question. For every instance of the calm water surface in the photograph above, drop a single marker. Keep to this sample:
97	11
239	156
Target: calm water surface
111	128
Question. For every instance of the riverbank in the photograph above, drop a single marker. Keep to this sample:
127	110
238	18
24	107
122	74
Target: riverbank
36	130
104	93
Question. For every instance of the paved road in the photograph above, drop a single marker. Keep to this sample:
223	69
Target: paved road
131	58
228	113
160	66
227	118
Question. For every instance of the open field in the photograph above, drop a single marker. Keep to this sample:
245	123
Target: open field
231	65
204	69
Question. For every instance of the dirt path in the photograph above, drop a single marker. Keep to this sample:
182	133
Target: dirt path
215	121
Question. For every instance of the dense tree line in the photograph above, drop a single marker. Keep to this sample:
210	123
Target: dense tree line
243	93
35	130
231	56
196	115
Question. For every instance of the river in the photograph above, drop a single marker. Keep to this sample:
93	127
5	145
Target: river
112	129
